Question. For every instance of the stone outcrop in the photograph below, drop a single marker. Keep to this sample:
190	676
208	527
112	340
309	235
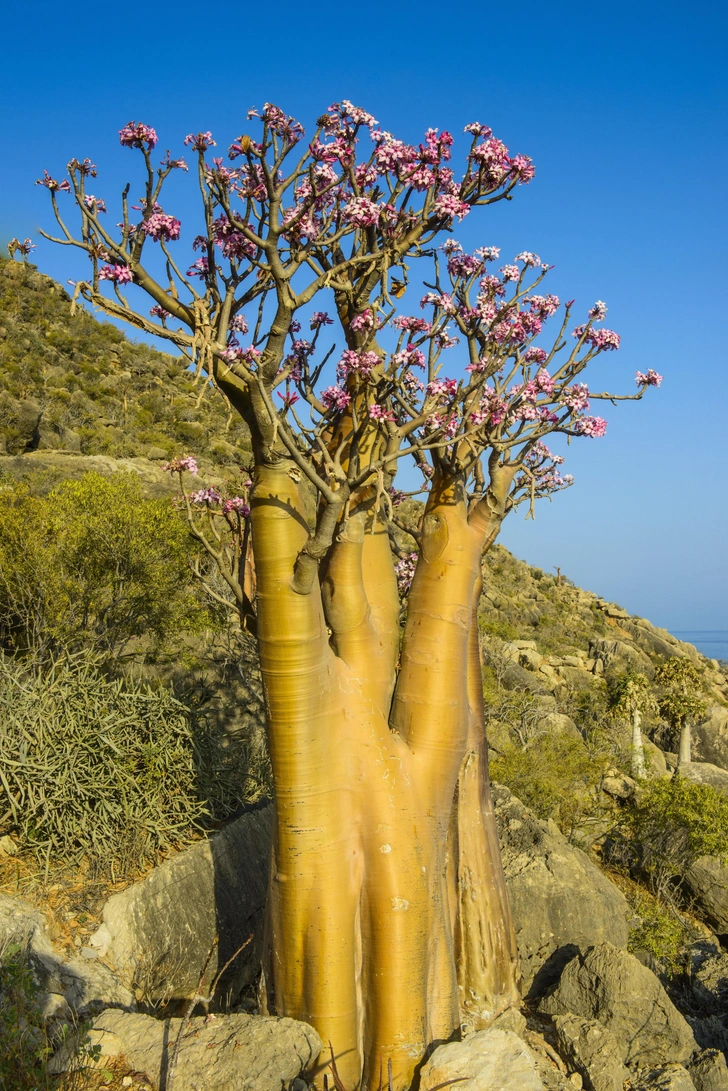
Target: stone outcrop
561	901
706	883
709	1071
157	933
710	738
217	1053
592	1050
490	1060
613	987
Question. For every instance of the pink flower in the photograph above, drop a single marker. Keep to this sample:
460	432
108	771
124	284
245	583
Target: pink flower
414	325
87	168
523	168
234	352
442	388
236	503
576	397
599	339
488	253
135	135
448	206
535	356
319	319
15	246
199	268
363	321
95	204
206	496
410	357
405	571
122	274
591	426
200	142
239	324
161	227
52	185
544	305
357	363
379	412
598	312
649	379
528	258
334	397
510	272
178	465
289	398
478	130
158	312
361	212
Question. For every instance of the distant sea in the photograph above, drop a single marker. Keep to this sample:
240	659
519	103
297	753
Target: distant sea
711	642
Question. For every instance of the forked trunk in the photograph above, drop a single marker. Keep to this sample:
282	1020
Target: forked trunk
388	917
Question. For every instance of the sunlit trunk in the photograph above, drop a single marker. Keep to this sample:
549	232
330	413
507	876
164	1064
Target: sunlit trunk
388	917
638	750
684	756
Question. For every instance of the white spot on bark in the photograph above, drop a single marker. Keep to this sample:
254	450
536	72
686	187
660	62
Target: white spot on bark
385	848
399	904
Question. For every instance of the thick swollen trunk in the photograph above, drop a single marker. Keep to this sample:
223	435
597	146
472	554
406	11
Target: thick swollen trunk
638	751
388	918
684	756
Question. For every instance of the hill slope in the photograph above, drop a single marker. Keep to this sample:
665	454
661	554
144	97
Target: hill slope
71	382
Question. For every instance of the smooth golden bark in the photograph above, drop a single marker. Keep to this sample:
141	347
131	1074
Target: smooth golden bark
371	866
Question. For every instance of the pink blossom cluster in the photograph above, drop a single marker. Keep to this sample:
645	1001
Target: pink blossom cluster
87	169
15	246
356	363
161	228
380	412
535	355
335	397
591	426
405	571
199	268
136	135
576	397
412	324
363	321
528	258
200	141
442	388
158	312
52	185
238	324
361	212
94	204
409	357
649	378
206	496
234	352
319	319
449	205
179	465
598	312
121	274
236	504
599	339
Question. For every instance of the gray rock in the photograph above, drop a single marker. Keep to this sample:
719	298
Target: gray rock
710	738
88	987
158	932
703	772
709	984
706	881
490	1060
560	900
665	1077
592	1050
710	1032
614	987
516	677
157	454
617	655
511	1019
708	1071
226	1053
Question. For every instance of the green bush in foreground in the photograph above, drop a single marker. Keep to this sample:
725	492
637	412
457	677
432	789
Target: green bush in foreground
107	768
93	565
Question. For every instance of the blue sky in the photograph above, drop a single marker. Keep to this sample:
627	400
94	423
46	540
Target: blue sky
623	109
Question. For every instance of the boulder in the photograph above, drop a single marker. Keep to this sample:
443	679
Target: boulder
560	900
516	677
86	987
220	1053
710	1032
710	738
490	1060
708	1071
158	932
702	772
666	1077
617	655
706	881
709	984
592	1050
612	986
558	724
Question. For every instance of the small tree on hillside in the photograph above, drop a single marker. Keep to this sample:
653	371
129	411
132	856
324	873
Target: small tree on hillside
681	702
633	698
388	913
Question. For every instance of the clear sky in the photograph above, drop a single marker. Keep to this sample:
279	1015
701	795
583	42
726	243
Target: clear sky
623	109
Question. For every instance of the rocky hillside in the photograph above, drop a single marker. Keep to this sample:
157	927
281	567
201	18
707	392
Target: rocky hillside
69	382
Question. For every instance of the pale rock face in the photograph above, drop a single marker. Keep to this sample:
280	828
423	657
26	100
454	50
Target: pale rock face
592	1050
491	1060
223	1053
613	987
666	1077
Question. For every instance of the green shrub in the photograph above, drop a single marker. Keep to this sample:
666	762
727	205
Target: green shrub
95	766
656	928
92	565
673	822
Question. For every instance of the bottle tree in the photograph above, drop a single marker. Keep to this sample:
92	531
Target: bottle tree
634	698
681	701
389	925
